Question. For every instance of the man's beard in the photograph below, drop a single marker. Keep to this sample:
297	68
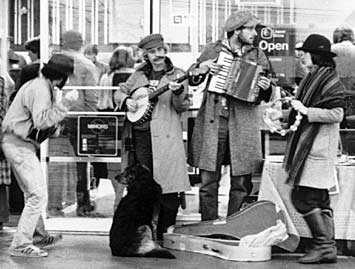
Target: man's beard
243	42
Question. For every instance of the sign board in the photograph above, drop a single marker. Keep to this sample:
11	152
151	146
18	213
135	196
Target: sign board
278	43
98	136
186	19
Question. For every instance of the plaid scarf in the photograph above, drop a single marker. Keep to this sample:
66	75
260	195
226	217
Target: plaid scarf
320	88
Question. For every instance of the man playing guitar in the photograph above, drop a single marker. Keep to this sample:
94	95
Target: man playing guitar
157	140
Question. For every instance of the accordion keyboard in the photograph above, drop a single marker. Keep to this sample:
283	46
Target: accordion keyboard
218	82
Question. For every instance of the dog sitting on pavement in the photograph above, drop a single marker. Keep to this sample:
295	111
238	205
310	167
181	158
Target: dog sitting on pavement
131	231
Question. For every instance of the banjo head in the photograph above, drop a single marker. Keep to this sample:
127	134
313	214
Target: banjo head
141	96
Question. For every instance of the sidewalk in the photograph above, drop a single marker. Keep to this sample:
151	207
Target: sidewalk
92	251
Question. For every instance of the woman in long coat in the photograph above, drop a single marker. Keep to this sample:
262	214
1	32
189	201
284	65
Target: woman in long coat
311	151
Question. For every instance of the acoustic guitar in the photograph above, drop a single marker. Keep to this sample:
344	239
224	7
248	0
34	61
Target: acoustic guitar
146	102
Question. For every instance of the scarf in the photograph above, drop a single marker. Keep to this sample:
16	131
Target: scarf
321	88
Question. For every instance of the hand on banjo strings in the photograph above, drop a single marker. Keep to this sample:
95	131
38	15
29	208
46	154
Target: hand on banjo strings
131	105
174	86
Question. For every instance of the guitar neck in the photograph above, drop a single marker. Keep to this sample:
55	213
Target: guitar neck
166	87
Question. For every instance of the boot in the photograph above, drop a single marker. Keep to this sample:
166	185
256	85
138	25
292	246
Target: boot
324	250
328	219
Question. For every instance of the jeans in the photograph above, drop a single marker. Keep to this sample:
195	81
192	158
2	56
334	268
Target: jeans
27	168
241	185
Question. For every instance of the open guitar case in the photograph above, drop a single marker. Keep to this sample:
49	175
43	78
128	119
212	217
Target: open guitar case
220	238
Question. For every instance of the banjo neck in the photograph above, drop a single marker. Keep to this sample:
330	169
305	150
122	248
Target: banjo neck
164	88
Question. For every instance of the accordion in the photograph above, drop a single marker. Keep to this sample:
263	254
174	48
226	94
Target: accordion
237	78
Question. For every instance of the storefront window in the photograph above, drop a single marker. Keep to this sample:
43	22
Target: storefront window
187	26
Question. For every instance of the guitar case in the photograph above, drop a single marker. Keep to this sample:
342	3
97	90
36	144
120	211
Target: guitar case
252	219
220	248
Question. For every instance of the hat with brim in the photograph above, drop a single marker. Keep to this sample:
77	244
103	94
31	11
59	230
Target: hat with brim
239	19
151	41
60	63
317	44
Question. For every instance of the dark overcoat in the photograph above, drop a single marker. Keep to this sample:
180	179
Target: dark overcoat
244	123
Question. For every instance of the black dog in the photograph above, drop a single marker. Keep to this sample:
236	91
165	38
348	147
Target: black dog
131	230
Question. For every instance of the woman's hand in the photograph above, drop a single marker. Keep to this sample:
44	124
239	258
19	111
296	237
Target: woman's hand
263	82
131	105
298	106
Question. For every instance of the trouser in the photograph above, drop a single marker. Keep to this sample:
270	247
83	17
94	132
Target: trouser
4	204
306	199
82	185
241	185
22	157
169	204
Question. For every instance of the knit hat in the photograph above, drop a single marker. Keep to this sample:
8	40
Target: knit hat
317	44
151	41
72	39
61	63
239	19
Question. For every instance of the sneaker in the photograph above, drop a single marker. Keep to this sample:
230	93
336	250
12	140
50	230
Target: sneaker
49	241
29	251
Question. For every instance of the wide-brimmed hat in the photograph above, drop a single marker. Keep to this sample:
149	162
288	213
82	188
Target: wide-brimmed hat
151	41
317	44
238	19
61	63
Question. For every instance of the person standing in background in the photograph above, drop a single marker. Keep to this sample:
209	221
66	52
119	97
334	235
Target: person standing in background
120	64
5	175
84	75
31	70
91	52
344	48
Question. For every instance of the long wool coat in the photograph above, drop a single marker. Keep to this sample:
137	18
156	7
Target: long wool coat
243	123
169	158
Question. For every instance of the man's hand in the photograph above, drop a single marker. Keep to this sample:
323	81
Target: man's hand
72	96
174	86
210	66
263	82
131	105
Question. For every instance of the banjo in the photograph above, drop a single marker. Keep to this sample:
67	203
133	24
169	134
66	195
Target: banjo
146	102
